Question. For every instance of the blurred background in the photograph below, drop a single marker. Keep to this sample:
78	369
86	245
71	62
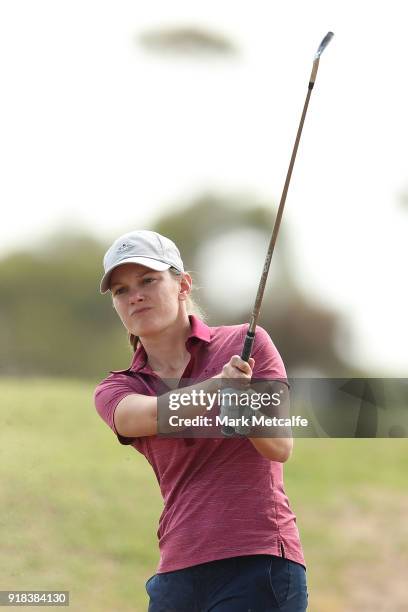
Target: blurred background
181	118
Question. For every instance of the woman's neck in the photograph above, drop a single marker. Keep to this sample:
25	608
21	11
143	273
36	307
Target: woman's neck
167	351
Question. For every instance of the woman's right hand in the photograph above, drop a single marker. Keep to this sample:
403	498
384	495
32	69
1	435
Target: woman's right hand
238	372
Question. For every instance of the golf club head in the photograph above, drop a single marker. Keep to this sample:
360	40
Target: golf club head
323	44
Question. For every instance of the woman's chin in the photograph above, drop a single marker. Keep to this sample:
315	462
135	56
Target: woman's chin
149	326
146	329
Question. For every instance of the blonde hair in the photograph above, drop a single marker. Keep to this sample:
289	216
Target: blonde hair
192	309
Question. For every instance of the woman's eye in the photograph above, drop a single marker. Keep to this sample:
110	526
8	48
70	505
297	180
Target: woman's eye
148	280
119	291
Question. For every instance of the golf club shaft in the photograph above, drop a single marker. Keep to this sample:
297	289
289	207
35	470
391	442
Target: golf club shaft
250	337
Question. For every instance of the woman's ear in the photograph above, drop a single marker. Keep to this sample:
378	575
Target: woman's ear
186	284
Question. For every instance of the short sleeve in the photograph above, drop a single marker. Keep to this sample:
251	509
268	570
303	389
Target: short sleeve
107	396
268	362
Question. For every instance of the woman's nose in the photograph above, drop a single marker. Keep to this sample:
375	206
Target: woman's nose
136	295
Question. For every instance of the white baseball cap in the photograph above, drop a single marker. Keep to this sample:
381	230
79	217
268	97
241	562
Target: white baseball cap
142	247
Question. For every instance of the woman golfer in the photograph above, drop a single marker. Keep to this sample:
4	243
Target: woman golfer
228	538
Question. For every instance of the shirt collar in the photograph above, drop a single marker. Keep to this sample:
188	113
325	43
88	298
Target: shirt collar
198	330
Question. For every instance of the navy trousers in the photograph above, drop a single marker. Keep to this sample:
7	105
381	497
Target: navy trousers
254	583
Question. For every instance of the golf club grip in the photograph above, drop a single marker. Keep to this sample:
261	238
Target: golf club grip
247	348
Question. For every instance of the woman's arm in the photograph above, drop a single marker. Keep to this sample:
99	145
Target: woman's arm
137	415
271	370
274	449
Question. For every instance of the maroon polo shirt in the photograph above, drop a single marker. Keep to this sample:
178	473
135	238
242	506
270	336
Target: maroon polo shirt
221	497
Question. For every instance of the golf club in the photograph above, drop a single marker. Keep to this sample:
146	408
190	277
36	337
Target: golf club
250	336
249	340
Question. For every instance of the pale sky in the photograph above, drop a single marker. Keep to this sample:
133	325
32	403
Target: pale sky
95	133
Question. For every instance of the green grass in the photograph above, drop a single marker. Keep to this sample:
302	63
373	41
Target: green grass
79	512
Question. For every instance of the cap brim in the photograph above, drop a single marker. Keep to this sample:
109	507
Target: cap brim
153	264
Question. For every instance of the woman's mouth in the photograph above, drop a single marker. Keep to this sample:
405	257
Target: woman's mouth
140	311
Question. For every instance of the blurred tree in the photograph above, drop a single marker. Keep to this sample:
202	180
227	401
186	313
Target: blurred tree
53	321
210	215
187	41
305	333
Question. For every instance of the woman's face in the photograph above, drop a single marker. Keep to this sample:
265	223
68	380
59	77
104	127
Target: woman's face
148	301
